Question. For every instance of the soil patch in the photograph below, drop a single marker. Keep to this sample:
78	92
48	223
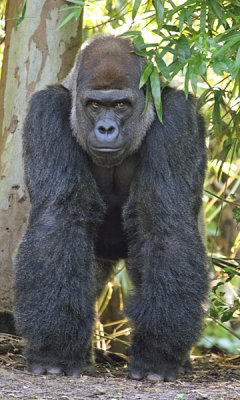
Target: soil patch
213	378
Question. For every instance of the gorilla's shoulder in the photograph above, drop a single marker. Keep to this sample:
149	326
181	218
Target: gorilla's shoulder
177	100
51	99
179	111
48	111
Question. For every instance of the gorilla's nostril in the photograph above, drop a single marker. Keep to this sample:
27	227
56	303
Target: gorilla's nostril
106	129
102	129
111	130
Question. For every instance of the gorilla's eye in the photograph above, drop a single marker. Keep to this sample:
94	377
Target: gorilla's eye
95	105
120	105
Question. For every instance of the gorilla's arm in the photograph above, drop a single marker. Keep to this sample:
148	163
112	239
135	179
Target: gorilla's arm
55	287
167	257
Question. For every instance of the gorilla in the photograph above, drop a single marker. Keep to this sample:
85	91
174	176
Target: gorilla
108	182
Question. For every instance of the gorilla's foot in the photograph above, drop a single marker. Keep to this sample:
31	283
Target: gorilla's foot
153	376
162	377
55	370
165	372
137	374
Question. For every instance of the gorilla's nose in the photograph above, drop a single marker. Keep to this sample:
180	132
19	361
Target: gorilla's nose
106	130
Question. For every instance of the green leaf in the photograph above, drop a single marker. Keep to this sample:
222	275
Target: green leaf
183	47
72	15
237	63
213	313
181	20
168	27
147	70
203	17
136	6
198	64
220	65
176	9
160	9
236	214
79	2
230	33
204	98
179	67
218	10
193	79
69	8
23	14
131	33
223	156
186	83
156	92
227	316
163	68
147	96
189	13
228	44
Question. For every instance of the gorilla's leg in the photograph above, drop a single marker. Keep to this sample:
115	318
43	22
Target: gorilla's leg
166	309
55	293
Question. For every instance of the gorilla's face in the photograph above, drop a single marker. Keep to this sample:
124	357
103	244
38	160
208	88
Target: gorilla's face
112	120
107	114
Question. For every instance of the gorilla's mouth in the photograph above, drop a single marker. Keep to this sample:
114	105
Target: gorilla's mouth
106	149
106	156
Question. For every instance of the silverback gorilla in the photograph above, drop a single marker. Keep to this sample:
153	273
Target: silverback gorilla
107	182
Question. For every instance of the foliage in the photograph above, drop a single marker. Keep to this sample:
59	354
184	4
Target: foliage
75	13
201	39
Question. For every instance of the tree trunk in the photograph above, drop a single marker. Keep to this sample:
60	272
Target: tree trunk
36	54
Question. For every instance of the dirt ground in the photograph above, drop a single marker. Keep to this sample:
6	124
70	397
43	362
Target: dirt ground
213	378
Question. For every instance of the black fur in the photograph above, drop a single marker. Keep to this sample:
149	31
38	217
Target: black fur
146	208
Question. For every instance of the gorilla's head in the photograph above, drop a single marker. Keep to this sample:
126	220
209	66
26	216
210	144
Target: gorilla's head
107	112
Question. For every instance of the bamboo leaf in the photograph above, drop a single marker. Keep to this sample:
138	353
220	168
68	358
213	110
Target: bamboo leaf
218	11
237	62
203	17
147	96
181	20
228	44
131	33
69	8
79	2
176	9
223	156
178	68
186	83
163	67
193	79
23	15
136	6
147	70
156	92
69	17
160	9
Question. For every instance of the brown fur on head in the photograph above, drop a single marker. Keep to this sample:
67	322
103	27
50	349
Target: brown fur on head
109	63
112	62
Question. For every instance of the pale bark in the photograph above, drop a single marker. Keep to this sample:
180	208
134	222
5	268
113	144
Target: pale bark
36	54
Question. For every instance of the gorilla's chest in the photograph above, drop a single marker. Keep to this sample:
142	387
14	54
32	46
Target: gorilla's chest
114	183
114	186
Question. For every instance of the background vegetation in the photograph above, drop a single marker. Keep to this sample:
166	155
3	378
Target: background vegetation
195	46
